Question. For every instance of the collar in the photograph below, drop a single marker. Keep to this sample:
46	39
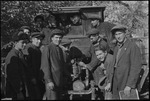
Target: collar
121	44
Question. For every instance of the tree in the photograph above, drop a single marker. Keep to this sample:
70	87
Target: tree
15	14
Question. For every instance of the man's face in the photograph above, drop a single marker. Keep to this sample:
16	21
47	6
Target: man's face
101	55
21	44
94	22
120	36
36	41
27	31
94	38
56	39
75	19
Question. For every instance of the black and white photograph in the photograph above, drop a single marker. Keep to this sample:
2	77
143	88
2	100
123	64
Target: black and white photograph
75	50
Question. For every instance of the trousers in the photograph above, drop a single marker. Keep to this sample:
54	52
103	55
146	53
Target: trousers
53	94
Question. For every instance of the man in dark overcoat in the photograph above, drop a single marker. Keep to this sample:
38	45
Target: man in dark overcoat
126	63
34	62
52	66
15	73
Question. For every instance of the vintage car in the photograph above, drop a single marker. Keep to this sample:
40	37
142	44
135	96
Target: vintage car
75	23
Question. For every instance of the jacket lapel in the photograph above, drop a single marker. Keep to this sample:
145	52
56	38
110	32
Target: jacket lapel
114	56
124	48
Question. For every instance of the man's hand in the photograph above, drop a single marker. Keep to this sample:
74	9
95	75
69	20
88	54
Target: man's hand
82	64
50	85
107	87
127	90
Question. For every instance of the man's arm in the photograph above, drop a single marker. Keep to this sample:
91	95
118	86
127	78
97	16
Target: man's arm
94	61
14	73
135	67
46	65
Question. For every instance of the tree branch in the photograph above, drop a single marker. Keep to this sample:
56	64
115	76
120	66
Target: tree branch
126	5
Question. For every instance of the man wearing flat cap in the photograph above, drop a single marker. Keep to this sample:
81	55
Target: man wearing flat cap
52	66
104	29
34	61
95	38
15	65
95	21
126	63
26	29
23	29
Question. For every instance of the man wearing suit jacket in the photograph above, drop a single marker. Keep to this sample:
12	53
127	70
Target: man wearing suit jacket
52	65
126	63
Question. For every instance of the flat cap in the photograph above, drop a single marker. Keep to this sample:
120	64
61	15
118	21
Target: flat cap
21	36
93	31
57	32
118	27
24	27
37	34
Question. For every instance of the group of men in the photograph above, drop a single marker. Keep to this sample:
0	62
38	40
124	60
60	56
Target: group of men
36	64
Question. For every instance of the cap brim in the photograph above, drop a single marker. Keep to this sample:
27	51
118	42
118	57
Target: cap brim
38	36
118	29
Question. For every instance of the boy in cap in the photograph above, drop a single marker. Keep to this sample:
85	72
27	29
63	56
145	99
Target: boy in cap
126	63
104	29
25	29
95	21
52	66
96	39
34	62
15	65
103	70
7	47
10	45
97	42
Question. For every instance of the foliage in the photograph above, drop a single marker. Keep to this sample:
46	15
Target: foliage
15	14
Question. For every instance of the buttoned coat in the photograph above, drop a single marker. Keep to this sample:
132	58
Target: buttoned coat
128	65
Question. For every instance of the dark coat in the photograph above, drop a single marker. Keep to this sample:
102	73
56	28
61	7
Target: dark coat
53	64
33	71
33	60
128	65
15	72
